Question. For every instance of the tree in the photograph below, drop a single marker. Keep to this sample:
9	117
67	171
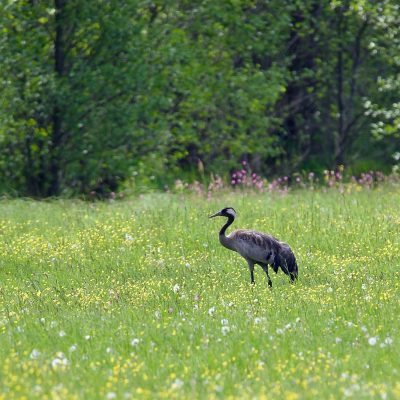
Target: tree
72	75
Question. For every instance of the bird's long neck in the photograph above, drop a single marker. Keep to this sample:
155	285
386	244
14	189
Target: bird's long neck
225	240
225	227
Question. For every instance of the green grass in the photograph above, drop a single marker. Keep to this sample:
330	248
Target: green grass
88	307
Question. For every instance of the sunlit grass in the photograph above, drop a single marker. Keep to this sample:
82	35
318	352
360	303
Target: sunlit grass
137	299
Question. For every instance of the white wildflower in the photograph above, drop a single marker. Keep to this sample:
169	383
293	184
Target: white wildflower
34	354
128	237
329	290
37	389
338	340
177	383
224	322
257	320
135	342
225	329
61	333
372	341
176	288
388	341
364	329
111	395
211	311
72	348
280	331
88	337
59	361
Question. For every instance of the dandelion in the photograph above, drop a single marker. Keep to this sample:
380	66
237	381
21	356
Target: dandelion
225	330
388	341
111	395
176	288
135	342
61	333
260	364
224	322
128	237
37	389
88	337
257	320
157	314
60	361
177	383
372	341
72	348
211	311
338	340
34	354
280	331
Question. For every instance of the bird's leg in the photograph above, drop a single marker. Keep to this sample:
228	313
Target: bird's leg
251	269
265	268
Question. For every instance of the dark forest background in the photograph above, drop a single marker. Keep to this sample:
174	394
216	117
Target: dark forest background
95	94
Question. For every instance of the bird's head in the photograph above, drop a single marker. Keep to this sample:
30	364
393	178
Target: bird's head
228	212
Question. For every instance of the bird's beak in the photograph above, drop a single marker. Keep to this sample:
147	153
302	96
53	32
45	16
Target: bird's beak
217	214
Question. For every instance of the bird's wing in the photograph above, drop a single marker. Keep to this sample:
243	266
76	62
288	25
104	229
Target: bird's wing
254	245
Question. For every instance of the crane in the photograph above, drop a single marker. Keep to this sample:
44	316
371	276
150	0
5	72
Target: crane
257	248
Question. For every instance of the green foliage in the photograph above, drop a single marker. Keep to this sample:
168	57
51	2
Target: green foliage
94	92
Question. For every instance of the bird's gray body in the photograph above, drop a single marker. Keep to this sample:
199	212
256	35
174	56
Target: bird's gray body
252	245
258	248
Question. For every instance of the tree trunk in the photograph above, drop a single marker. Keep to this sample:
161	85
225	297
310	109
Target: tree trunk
59	70
339	137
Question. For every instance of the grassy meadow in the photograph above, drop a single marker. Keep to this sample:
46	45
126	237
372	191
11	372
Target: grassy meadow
137	299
